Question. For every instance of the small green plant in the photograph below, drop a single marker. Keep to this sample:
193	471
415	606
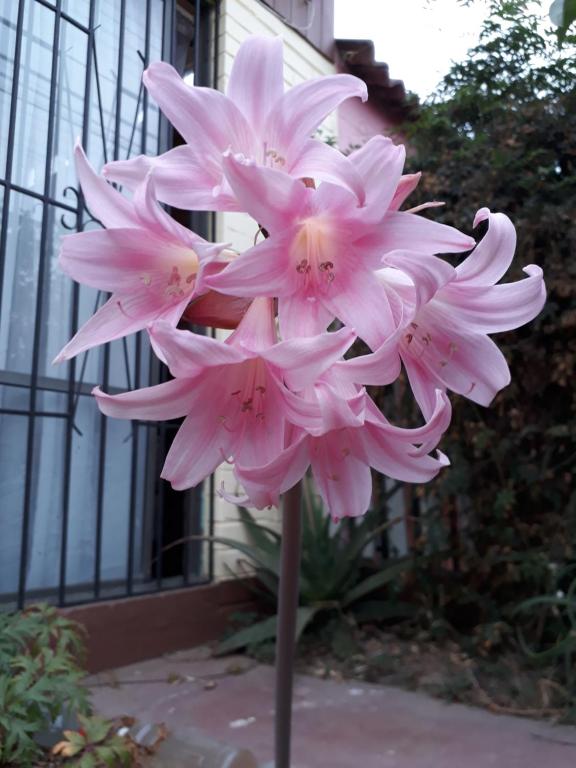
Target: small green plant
335	577
547	635
41	688
95	744
40	678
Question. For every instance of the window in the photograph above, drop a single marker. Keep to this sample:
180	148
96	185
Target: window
81	508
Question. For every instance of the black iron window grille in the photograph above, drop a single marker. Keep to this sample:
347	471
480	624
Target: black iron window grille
83	515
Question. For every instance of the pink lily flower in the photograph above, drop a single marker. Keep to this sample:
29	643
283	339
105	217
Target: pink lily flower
353	437
151	264
444	345
255	118
234	394
379	163
323	250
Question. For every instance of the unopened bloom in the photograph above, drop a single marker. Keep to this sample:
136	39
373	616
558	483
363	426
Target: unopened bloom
234	394
255	117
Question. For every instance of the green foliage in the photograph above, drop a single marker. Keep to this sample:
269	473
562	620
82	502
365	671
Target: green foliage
334	575
501	132
40	684
39	678
94	745
546	627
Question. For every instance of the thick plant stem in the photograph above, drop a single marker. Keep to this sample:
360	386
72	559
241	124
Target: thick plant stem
286	631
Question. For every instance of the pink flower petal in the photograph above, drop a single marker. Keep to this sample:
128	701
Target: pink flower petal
295	116
205	118
409	232
344	480
395	459
491	258
360	302
264	484
120	316
103	201
257	331
154	218
322	162
301	412
427	436
262	436
501	307
340	205
238	413
271	197
260	497
467	363
198	448
479	370
378	368
128	259
256	79
183	177
379	163
263	270
428	273
338	412
300	316
187	354
169	400
303	360
423	384
406	186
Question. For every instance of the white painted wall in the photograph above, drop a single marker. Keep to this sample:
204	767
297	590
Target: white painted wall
239	19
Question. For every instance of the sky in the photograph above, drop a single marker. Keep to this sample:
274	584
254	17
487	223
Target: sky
418	39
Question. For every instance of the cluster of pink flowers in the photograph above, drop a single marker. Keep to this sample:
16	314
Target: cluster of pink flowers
278	395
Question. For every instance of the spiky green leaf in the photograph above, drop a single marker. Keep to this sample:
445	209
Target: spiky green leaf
377	580
265	630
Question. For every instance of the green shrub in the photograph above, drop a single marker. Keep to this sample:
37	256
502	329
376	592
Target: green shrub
96	744
546	627
40	679
335	578
501	131
41	691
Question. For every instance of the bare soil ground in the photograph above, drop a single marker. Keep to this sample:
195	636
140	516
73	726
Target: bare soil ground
500	682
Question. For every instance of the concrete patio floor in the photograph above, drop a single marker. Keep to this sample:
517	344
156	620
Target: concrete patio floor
336	724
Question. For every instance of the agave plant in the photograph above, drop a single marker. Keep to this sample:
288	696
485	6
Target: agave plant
333	577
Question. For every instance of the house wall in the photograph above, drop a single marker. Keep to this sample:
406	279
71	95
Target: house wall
120	632
240	19
314	19
358	121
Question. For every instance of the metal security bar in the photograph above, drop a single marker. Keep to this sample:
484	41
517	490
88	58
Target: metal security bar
83	514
